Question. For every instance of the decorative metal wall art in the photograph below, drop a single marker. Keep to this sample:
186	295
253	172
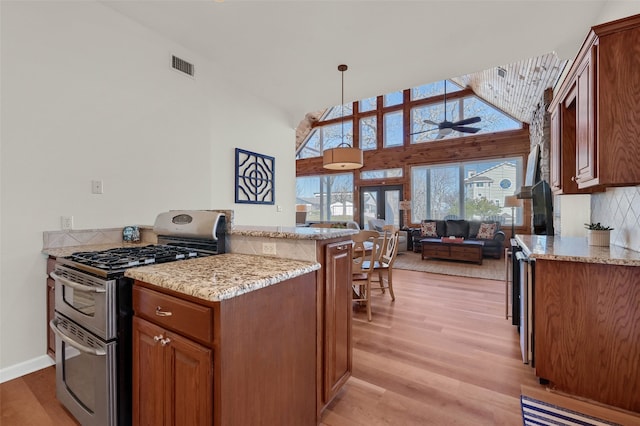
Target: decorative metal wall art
255	178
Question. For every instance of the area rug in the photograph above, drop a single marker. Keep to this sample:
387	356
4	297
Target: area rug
491	269
535	412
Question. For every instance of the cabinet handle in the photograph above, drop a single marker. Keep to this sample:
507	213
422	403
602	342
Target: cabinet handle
161	313
344	247
573	178
158	337
165	342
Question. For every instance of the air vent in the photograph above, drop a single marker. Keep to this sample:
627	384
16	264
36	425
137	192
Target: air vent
182	65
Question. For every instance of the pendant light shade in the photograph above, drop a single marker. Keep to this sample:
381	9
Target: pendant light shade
342	157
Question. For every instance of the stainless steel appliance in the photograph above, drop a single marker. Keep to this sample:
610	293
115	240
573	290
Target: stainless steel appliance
525	281
94	312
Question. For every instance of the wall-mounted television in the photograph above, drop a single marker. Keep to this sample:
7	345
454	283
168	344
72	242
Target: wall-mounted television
542	206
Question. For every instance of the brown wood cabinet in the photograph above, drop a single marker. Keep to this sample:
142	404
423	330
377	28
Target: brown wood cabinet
246	360
335	321
596	111
51	307
172	378
587	329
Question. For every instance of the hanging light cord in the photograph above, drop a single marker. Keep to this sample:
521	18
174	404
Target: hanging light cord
342	69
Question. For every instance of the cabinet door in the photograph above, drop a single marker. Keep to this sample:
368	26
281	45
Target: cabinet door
337	317
189	382
586	143
554	171
148	373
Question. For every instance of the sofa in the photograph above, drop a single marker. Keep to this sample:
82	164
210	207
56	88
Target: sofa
467	229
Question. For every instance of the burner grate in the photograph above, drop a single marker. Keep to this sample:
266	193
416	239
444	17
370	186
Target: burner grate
126	257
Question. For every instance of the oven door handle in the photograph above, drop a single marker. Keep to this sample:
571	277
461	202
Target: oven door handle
77	286
79	346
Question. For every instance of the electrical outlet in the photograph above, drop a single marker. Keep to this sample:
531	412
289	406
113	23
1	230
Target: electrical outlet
67	223
96	187
269	248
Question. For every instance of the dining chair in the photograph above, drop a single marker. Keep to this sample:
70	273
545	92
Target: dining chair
363	264
384	262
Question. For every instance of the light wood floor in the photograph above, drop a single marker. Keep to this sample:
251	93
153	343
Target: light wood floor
441	354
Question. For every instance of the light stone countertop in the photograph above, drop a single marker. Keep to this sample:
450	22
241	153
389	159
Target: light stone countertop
292	232
216	278
575	249
69	250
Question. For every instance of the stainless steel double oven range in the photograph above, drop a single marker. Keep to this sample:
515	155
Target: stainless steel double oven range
93	314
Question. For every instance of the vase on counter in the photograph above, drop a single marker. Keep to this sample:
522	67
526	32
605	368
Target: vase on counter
598	238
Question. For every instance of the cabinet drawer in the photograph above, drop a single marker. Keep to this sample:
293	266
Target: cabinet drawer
463	250
187	318
436	251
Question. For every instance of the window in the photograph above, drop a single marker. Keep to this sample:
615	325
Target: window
325	137
393	129
450	190
368	133
328	197
433	89
368	104
427	110
381	174
391	99
336	112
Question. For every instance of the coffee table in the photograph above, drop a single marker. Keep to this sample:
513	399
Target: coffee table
466	251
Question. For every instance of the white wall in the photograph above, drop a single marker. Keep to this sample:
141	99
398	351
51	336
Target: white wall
88	94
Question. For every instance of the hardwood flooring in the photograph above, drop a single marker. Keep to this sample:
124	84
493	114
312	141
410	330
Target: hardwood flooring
441	354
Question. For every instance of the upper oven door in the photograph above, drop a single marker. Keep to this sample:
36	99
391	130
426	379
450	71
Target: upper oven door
87	300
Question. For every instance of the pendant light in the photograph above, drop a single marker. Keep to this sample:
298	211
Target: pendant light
344	156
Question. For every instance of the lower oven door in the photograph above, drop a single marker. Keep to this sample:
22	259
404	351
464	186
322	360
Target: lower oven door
85	373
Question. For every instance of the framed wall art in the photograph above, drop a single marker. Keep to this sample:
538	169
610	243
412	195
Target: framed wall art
255	178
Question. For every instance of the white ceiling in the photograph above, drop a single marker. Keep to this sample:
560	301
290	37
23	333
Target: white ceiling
287	52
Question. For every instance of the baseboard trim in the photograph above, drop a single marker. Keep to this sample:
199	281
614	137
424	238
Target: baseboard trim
26	367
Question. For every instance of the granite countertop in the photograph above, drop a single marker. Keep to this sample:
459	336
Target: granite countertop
575	249
292	232
69	250
216	278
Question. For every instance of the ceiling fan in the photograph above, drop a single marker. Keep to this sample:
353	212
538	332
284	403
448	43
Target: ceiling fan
445	127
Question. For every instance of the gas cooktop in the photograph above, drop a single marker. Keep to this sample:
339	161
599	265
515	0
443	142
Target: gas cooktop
126	257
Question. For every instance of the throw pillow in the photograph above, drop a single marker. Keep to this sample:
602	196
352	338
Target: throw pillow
486	231
429	229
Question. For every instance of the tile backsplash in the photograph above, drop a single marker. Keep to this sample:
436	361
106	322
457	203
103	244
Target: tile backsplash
620	209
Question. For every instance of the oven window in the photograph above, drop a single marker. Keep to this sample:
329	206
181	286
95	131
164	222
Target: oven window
79	300
79	375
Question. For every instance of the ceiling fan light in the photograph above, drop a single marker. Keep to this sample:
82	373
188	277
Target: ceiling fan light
342	158
446	131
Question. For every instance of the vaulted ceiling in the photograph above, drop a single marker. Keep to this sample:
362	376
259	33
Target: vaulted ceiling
286	52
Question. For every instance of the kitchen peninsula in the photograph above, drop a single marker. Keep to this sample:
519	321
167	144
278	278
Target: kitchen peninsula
587	318
230	338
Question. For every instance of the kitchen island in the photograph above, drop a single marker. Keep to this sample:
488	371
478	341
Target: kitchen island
225	340
587	318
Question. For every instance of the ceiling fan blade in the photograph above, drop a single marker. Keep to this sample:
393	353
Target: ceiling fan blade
466	121
423	131
433	123
466	129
